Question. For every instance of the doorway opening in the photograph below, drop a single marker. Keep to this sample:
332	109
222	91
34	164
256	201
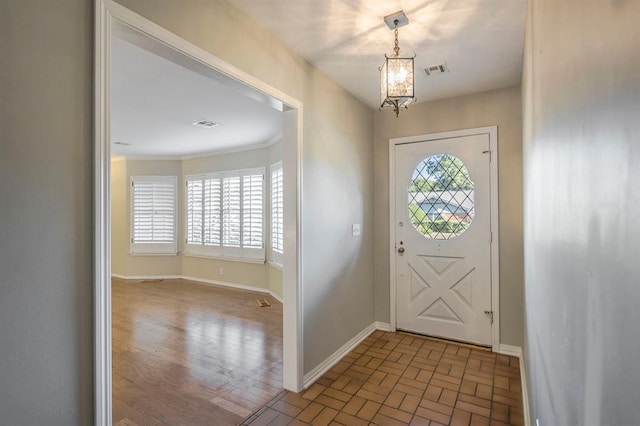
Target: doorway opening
113	20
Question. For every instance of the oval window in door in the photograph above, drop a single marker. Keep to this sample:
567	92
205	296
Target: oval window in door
440	197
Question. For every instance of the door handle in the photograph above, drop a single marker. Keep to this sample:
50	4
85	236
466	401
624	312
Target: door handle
401	250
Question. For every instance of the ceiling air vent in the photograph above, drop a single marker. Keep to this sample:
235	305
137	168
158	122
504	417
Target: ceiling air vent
206	124
436	69
121	143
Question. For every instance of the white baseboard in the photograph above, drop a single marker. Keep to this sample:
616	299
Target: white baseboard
234	285
146	277
525	393
225	284
383	326
517	352
510	350
200	281
333	359
275	296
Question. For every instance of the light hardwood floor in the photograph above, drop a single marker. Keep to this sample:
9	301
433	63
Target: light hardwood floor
191	354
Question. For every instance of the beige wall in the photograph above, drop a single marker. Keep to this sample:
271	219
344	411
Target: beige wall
249	274
207	269
498	107
123	263
581	89
120	231
275	279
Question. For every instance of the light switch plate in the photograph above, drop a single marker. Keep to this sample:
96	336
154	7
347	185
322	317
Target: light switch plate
355	230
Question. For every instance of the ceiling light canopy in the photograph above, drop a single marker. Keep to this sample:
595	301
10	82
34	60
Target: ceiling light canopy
396	74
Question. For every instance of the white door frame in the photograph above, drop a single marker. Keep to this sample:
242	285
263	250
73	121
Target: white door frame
107	14
492	131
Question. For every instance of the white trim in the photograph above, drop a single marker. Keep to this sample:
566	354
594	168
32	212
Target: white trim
275	296
392	235
518	353
225	258
254	147
154	254
238	286
382	326
107	14
275	265
492	131
333	359
526	411
510	350
246	171
145	277
228	151
495	236
141	24
293	274
102	219
203	281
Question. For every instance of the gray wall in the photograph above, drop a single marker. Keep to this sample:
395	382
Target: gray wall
581	89
46	175
497	107
337	161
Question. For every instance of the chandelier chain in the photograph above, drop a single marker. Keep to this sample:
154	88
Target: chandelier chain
396	47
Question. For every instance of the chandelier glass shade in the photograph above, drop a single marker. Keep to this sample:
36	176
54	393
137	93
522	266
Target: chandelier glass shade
396	80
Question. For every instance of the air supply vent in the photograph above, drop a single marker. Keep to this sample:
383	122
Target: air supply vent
436	69
206	124
121	143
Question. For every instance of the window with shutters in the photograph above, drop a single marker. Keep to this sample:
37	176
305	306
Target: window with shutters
277	213
225	214
154	214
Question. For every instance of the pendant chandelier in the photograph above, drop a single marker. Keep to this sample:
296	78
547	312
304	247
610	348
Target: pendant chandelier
396	73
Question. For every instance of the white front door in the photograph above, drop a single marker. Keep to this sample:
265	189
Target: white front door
443	238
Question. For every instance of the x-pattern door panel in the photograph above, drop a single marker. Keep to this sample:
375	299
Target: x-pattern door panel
445	295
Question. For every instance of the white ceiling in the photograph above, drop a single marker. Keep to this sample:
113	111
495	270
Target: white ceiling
157	96
480	40
154	102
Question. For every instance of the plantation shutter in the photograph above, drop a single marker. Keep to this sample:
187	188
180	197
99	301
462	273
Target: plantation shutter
212	214
277	209
194	209
225	214
231	211
153	211
252	210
